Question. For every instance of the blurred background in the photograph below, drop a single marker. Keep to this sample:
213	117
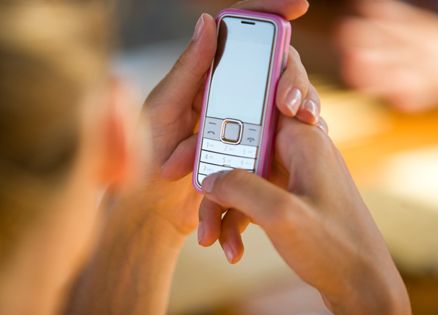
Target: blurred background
375	65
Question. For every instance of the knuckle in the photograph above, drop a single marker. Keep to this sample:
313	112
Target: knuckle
182	65
309	139
179	63
227	181
319	141
236	177
302	82
283	218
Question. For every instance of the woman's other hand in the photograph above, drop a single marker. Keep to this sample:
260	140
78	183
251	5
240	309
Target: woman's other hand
389	51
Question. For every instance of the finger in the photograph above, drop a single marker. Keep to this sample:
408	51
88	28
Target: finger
308	142
210	220
289	9
182	83
396	18
234	224
180	163
264	203
310	109
363	69
293	85
322	125
356	32
389	10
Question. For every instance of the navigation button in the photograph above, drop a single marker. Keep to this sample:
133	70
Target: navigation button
231	131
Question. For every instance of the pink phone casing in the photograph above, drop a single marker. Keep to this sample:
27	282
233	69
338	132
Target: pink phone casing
269	122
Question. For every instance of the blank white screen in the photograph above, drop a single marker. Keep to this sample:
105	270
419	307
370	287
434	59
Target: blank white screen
242	66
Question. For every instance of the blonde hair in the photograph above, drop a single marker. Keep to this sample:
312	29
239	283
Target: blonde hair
51	54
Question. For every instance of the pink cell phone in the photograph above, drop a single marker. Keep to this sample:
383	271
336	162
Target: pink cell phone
239	115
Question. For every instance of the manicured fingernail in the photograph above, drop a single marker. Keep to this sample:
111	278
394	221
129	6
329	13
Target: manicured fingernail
311	107
293	100
198	28
322	125
201	232
208	183
229	252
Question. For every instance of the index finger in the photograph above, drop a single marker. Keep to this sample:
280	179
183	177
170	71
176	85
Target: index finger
289	9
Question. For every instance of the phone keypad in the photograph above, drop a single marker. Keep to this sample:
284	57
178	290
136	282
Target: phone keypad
207	169
217	155
230	149
227	160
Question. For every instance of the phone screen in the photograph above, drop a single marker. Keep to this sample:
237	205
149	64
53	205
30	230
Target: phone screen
241	70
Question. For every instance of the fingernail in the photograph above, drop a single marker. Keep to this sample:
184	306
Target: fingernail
322	125
198	28
311	107
208	183
201	232
229	252
293	100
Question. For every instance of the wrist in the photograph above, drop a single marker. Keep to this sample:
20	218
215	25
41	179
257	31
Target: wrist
129	218
136	252
373	292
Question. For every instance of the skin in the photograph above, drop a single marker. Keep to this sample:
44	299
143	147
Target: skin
388	51
145	224
126	250
316	221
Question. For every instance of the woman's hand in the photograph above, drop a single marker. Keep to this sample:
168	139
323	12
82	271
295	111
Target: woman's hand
173	108
319	225
390	51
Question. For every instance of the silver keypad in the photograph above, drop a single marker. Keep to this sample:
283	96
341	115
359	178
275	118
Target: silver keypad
227	160
237	150
219	155
207	169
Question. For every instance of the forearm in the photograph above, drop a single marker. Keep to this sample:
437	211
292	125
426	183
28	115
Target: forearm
132	269
375	292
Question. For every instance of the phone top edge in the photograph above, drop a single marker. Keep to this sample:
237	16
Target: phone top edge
277	19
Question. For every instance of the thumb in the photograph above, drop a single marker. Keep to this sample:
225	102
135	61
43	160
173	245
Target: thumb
182	83
260	200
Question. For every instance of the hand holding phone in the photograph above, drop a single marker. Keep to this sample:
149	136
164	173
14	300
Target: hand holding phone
239	116
319	225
